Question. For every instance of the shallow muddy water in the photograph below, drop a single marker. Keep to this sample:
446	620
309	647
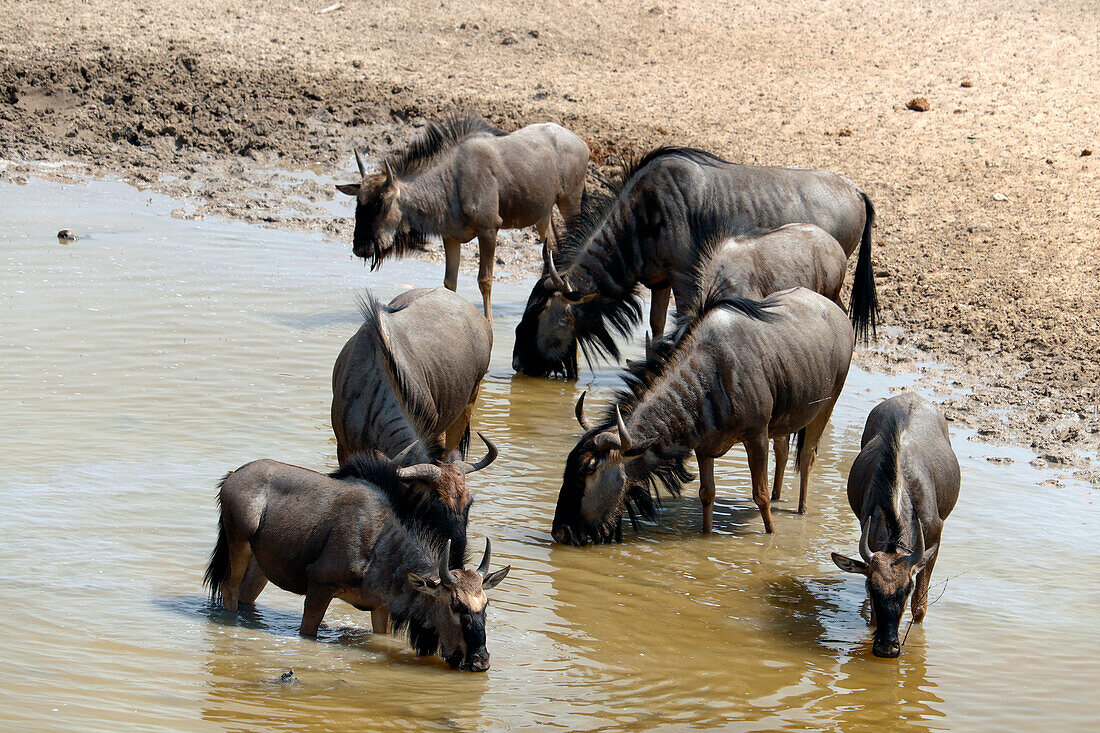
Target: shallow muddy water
145	360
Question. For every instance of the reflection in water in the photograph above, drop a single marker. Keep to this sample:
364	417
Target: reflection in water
145	362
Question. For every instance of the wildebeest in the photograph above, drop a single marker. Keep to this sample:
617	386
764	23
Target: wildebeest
349	535
650	231
738	371
463	178
406	383
902	486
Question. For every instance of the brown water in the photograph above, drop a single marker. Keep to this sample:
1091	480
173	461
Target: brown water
144	361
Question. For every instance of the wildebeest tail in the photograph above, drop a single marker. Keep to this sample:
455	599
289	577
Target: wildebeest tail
864	304
218	567
800	441
464	443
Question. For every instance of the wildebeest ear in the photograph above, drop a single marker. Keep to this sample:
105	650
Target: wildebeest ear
492	580
924	559
849	565
351	189
422	584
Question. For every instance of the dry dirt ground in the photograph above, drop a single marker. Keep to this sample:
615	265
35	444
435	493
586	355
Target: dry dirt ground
988	210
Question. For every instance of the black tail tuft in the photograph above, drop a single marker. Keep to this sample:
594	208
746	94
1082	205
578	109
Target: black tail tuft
799	442
219	563
464	443
863	308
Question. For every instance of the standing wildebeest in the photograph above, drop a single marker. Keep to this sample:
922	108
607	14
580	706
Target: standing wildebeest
902	485
349	535
463	178
738	371
405	384
650	231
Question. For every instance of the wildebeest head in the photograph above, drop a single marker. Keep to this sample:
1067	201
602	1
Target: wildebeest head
546	337
890	575
455	609
381	228
595	485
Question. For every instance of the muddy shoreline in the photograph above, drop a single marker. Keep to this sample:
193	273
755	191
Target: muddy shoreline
985	245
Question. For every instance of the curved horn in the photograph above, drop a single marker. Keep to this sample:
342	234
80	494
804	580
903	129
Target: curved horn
555	278
491	456
918	551
483	568
359	162
421	471
579	410
624	437
389	173
445	576
397	460
648	346
865	542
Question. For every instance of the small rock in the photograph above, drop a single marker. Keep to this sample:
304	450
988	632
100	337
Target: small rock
66	236
533	33
844	133
1000	197
538	96
966	84
1000	460
508	40
288	678
918	104
1086	153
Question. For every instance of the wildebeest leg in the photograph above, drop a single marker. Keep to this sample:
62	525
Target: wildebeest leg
658	310
920	591
380	620
782	448
756	447
808	455
317	599
253	583
453	437
240	553
487	252
707	490
452	251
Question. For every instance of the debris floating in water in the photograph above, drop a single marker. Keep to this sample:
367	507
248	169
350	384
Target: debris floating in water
66	236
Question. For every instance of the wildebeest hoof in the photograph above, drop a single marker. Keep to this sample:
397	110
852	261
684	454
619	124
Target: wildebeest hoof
66	236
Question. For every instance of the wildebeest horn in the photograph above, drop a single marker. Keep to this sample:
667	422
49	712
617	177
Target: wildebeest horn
404	453
555	278
445	576
865	542
389	173
422	471
491	456
648	346
579	410
359	162
483	568
918	551
624	437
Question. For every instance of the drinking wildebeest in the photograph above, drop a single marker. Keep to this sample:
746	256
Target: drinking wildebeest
902	485
463	178
738	371
406	383
649	231
349	535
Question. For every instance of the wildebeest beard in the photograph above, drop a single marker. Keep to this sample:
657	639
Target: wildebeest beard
366	242
527	357
888	609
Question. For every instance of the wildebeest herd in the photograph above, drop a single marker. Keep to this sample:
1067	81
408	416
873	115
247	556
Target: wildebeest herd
755	258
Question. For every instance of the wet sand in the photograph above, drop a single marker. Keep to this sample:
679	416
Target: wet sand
986	239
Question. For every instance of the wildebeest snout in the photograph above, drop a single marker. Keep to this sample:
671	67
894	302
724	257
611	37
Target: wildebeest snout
478	661
886	646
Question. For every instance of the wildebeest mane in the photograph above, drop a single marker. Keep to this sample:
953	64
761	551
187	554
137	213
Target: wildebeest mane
618	307
883	489
438	136
420	413
420	512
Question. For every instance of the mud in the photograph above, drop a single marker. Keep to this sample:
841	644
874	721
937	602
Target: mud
986	242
